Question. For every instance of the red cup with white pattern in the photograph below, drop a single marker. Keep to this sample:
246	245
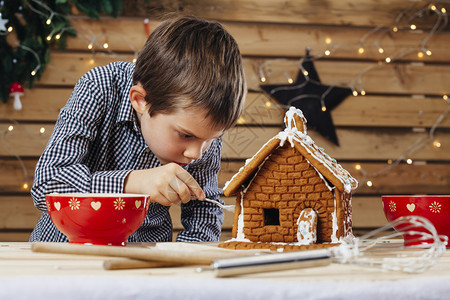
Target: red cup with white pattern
435	208
97	219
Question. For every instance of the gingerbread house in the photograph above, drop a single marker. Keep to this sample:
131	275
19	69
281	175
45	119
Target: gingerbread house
291	194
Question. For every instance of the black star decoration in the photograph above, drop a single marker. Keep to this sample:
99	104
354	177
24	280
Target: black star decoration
313	98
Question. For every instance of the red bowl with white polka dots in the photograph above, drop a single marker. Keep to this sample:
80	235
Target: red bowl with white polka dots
98	219
435	208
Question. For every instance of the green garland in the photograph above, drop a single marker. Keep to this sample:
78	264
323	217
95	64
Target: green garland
25	45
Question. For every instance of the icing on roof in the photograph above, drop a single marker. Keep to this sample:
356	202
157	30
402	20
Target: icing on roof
297	138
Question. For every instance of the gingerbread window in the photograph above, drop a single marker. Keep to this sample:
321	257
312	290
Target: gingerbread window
271	216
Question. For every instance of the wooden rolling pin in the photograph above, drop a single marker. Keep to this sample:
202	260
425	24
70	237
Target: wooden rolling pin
176	253
128	263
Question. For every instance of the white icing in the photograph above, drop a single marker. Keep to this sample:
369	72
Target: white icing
290	120
240	230
247	161
306	233
334	238
291	134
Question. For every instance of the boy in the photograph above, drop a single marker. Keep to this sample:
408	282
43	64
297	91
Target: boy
152	128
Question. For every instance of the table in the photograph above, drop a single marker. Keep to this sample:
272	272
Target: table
29	275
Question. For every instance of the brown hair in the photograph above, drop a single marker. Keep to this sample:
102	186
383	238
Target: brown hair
186	58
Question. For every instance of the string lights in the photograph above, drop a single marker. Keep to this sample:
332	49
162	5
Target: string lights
9	131
94	44
422	51
37	26
99	44
33	26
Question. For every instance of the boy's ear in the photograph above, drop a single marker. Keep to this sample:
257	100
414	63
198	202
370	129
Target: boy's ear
137	98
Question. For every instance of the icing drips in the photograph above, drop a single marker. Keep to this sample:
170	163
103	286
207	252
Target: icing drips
290	134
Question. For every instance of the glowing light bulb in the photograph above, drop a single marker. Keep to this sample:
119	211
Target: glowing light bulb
105	45
10	128
42	130
49	37
355	93
268	104
380	50
413	27
436	144
443	10
58	36
361	50
388	59
33	73
91	61
49	21
328	40
409	161
445	97
395	29
241	120
262	77
10	28
363	92
305	73
369	183
420	54
90	46
327	52
358	167
428	52
134	59
290	80
433	7
25	186
389	161
324	108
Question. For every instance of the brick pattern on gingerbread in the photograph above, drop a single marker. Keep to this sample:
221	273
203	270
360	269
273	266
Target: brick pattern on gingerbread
291	193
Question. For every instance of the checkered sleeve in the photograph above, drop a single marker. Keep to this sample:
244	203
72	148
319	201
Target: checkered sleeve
202	221
62	167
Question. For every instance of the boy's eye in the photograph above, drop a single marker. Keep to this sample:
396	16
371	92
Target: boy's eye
185	136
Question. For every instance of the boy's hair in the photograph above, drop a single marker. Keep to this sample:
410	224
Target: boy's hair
193	59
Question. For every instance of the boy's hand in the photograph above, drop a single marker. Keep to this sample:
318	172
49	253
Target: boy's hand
166	185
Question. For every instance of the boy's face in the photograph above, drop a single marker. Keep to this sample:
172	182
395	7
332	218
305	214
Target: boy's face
179	137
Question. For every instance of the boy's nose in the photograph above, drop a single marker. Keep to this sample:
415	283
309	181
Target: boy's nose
195	150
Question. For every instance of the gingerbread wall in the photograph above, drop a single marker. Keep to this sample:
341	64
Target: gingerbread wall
288	183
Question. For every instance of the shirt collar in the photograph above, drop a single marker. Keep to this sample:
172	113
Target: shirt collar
126	112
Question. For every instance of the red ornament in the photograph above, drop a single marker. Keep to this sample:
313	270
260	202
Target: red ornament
147	27
16	90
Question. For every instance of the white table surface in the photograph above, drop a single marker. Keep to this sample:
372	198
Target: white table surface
28	275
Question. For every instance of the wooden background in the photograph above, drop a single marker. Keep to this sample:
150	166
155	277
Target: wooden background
402	102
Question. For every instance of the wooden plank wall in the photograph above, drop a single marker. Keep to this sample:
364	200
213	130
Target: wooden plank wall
402	102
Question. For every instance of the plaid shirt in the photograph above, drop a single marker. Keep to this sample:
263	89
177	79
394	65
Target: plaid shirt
97	141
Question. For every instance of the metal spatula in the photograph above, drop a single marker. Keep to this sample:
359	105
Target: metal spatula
225	207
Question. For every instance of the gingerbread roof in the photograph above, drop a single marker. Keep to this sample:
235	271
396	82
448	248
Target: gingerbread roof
295	134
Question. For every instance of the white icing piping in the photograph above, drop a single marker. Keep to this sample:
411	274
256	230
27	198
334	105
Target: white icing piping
334	238
240	230
306	234
290	120
292	134
247	161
